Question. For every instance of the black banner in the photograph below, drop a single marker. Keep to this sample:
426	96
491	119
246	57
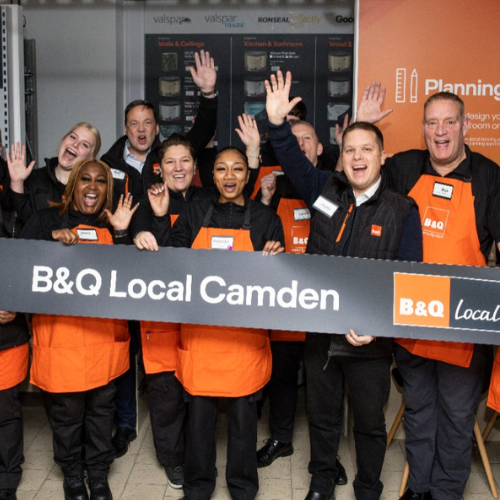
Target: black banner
293	292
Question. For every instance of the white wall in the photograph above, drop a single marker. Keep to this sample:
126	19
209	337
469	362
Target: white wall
76	69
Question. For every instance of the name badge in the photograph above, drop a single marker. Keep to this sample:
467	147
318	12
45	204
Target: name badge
117	174
326	207
222	243
442	190
301	214
87	234
278	172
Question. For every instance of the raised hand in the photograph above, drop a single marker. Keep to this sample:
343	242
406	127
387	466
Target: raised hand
267	188
18	172
370	106
120	220
278	105
204	74
159	199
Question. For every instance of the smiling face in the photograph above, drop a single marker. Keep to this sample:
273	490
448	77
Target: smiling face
177	168
362	159
444	130
90	191
308	141
141	129
78	145
230	176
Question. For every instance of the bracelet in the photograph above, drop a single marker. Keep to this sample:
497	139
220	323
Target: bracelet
120	233
208	94
256	157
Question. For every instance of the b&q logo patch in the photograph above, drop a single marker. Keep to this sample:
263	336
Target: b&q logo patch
434	221
376	230
421	300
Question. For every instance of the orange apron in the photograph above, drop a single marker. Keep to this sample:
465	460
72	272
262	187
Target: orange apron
160	341
446	208
296	220
217	360
13	366
263	171
76	354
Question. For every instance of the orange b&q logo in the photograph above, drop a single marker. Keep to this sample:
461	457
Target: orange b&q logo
421	300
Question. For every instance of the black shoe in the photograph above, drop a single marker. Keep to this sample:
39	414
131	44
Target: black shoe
411	495
175	476
342	476
8	494
74	488
314	495
99	488
121	440
271	451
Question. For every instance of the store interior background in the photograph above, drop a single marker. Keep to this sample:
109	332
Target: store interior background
86	72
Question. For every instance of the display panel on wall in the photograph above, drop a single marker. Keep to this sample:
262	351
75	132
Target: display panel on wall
420	47
248	45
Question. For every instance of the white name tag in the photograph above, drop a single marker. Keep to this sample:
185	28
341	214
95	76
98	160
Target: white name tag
117	174
326	207
442	190
278	172
87	234
222	243
301	214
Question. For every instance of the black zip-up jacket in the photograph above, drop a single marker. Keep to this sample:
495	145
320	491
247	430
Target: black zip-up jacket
265	224
40	187
128	179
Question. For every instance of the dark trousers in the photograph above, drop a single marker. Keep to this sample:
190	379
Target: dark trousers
368	382
126	384
11	438
241	468
168	411
441	400
283	388
82	424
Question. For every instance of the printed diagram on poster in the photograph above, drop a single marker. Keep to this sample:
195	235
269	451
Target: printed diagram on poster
317	47
456	52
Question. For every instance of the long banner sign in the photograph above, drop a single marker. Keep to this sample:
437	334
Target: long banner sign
291	292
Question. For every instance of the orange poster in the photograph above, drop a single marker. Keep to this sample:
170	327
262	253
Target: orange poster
420	47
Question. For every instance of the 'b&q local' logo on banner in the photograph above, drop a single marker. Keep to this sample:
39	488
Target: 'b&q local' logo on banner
446	302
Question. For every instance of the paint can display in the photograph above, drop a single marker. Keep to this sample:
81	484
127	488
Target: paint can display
339	86
339	61
170	86
170	111
254	86
255	60
169	61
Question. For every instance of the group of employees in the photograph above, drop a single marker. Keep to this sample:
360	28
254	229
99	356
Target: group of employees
85	367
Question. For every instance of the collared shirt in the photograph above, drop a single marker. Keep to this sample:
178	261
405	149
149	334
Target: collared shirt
131	159
364	197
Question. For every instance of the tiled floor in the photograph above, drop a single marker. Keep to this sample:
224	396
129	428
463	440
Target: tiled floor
138	476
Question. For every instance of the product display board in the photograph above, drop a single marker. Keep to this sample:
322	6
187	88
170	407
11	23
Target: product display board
420	47
248	46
